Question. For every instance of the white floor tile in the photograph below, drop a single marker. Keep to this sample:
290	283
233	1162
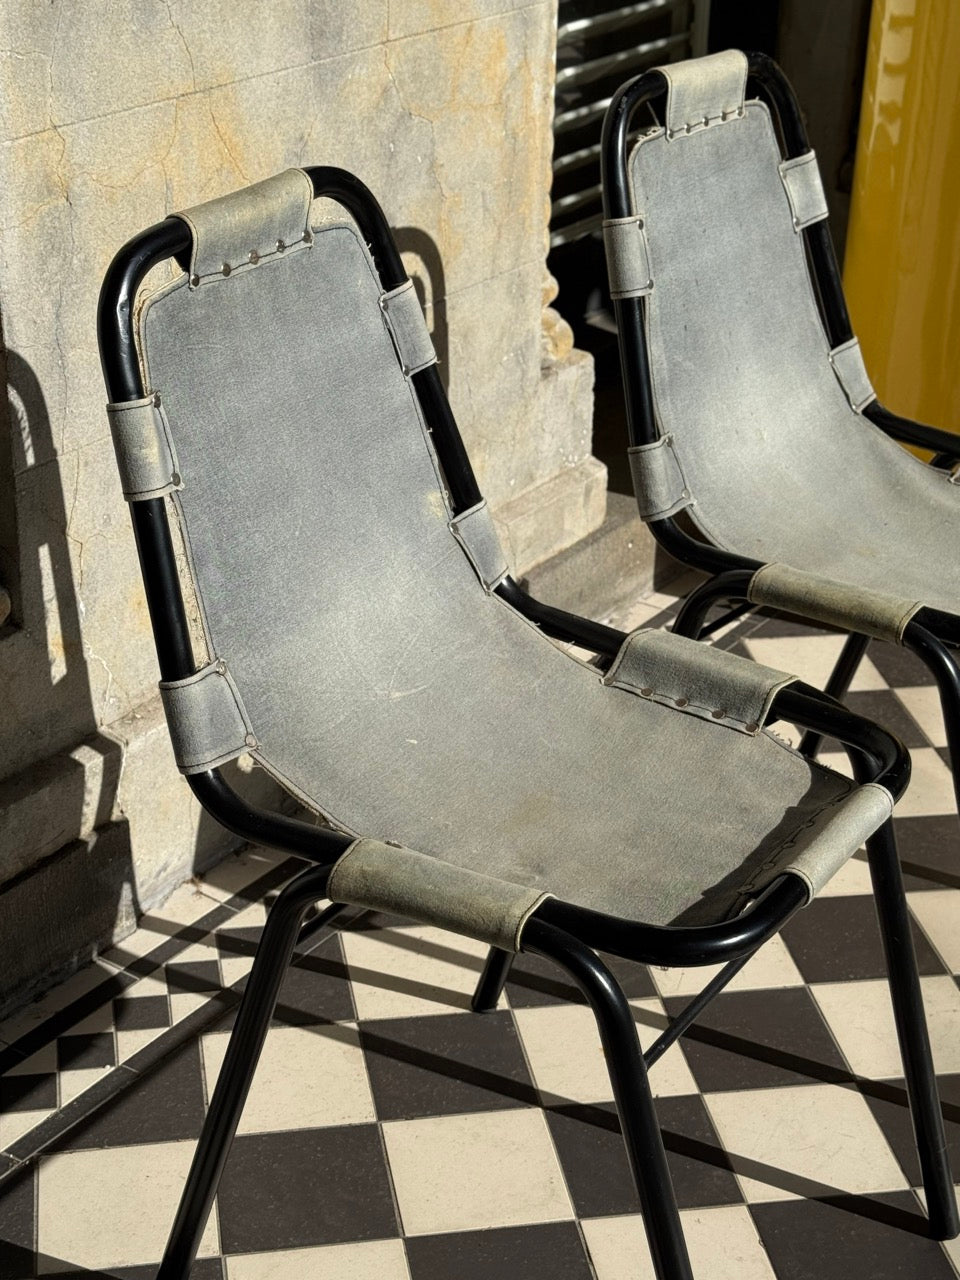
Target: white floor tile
307	1077
184	1003
634	616
382	1259
140	1184
564	1052
14	1124
566	1057
812	658
838	761
412	971
809	1136
73	1083
938	911
184	907
232	876
723	1245
669	1076
923	703
95	1023
37	1064
30	1017
853	877
772	966
130	1043
462	1173
235	967
931	787
861	1019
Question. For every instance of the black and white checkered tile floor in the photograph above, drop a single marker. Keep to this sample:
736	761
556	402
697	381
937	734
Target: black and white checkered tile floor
391	1133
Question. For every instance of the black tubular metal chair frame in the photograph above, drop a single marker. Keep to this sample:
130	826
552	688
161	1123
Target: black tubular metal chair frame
560	931
932	633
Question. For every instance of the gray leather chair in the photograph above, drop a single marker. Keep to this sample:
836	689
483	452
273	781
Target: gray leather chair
758	448
328	594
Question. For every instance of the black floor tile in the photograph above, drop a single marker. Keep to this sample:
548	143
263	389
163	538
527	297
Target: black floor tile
898	666
58	1123
837	939
28	1093
203	1269
535	982
738	648
85	1051
316	988
594	1160
144	1013
850	1238
165	1105
553	1251
192	976
888	1102
60	1023
760	1039
445	1065
929	849
303	1188
17	1225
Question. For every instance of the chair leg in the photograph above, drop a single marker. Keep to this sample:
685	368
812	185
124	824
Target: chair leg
943	667
912	1034
492	980
841	677
631	1089
243	1052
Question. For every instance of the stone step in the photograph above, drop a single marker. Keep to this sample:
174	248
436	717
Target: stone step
607	571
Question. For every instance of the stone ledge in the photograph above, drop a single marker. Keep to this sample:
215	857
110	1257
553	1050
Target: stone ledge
51	804
549	517
55	917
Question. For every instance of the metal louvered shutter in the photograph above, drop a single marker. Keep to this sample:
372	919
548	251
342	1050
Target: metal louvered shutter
600	45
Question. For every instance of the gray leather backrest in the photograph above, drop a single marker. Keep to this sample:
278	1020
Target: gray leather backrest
763	438
310	498
744	379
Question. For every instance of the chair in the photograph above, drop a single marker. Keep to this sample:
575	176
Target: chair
339	608
759	452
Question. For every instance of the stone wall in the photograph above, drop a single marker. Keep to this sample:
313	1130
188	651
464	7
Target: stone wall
111	116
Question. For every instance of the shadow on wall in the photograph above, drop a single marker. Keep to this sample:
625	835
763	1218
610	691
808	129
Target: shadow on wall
66	872
429	280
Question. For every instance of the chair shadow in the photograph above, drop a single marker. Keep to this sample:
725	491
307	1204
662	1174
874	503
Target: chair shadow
429	272
53	710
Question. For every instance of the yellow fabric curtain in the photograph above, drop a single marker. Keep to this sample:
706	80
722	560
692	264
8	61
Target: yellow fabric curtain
902	267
